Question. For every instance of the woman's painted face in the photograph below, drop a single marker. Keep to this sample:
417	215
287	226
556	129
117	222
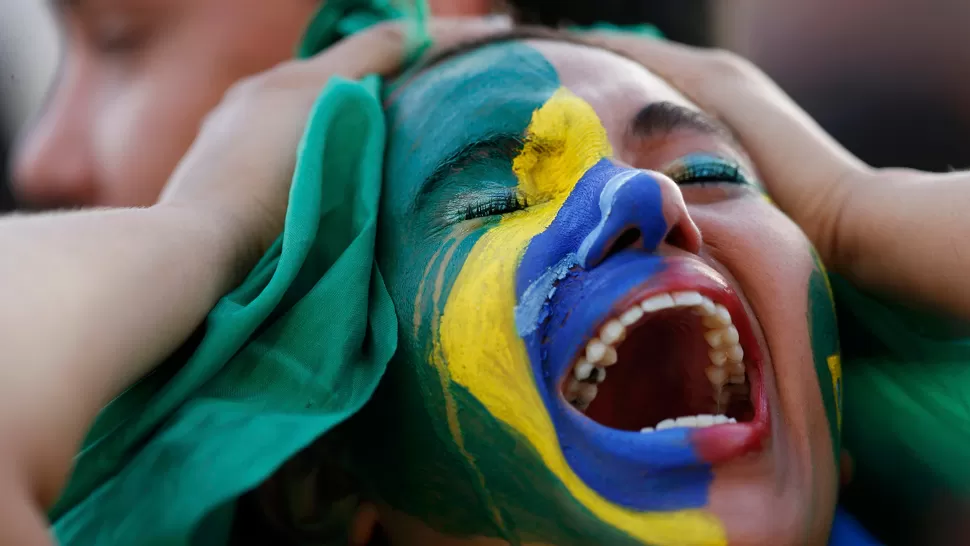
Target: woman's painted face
609	335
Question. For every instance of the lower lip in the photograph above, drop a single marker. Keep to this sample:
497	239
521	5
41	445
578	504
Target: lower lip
722	443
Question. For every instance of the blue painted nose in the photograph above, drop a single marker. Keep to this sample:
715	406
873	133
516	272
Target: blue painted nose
639	209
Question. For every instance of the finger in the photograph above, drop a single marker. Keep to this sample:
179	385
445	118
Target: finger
782	139
448	33
666	59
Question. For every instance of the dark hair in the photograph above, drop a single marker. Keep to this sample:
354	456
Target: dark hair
686	21
523	32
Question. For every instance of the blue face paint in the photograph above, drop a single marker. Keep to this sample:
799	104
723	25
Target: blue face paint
659	471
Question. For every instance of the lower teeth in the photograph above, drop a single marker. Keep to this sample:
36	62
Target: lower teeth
696	421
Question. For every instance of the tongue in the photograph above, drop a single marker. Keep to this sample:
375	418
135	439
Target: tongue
659	375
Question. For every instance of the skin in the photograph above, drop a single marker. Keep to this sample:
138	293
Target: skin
137	79
446	418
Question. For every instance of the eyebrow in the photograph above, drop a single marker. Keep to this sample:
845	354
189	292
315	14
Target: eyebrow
660	119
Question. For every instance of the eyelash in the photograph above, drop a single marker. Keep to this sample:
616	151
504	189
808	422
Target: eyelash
505	203
702	170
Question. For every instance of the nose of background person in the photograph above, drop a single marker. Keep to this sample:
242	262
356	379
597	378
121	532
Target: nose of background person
640	209
53	165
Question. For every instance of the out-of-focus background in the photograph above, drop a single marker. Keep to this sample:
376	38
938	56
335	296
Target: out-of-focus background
885	77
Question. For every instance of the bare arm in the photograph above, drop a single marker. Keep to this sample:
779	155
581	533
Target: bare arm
906	232
92	301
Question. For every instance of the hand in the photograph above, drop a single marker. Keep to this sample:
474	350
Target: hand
807	173
237	173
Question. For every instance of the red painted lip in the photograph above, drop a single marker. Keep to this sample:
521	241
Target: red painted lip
718	443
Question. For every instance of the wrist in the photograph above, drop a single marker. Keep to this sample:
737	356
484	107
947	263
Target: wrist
863	221
836	218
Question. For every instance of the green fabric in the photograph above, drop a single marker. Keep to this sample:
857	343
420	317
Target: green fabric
906	422
298	348
341	18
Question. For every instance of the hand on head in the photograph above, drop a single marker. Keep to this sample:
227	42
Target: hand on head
238	170
806	172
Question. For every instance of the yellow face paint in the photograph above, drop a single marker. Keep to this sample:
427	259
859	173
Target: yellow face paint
565	139
835	368
478	346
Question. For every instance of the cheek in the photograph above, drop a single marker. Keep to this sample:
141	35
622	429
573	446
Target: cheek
765	251
774	264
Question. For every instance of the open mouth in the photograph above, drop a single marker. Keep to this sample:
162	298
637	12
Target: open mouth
677	352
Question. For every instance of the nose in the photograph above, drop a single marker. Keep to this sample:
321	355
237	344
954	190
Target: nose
640	209
53	164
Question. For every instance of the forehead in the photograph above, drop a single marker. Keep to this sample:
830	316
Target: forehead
615	86
495	89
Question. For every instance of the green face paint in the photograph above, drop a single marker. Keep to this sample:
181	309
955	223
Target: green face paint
825	350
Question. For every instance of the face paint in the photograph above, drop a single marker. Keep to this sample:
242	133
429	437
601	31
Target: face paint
825	349
467	404
509	239
563	171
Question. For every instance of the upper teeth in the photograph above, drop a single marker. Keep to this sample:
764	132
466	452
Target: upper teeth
726	354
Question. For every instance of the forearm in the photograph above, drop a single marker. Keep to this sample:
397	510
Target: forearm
92	301
906	233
